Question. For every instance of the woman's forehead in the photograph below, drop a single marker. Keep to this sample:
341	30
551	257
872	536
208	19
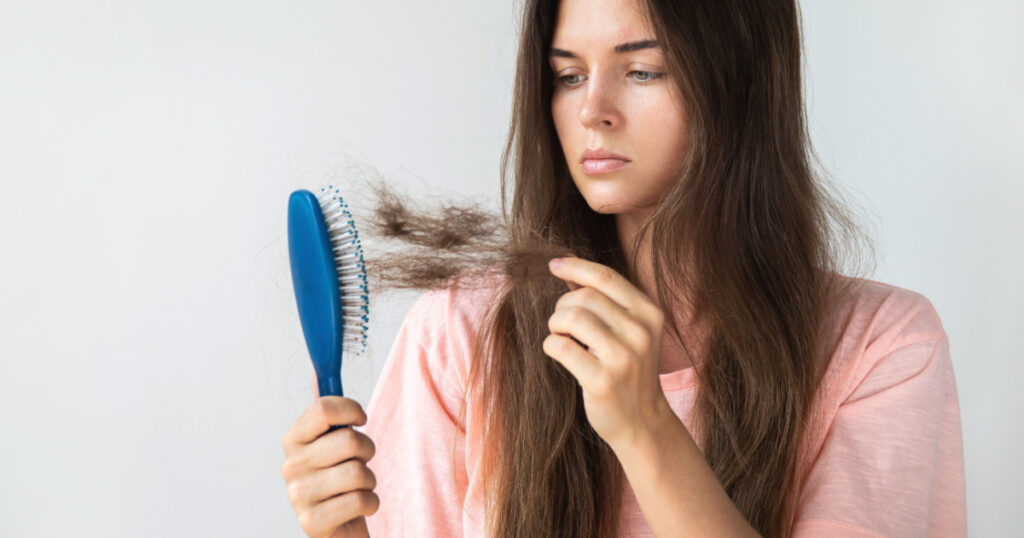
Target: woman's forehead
600	25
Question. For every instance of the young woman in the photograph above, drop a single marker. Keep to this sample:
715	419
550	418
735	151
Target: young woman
696	365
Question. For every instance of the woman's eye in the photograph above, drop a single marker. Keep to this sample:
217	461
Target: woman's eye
564	77
648	77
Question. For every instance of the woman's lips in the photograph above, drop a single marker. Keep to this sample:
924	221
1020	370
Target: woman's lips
602	166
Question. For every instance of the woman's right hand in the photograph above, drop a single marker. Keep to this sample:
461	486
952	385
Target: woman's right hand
329	485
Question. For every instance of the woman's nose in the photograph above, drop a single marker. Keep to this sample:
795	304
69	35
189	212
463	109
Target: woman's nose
600	103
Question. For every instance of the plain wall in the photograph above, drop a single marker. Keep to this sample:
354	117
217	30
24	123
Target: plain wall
151	358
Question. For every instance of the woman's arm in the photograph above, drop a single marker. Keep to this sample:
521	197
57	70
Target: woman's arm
675	487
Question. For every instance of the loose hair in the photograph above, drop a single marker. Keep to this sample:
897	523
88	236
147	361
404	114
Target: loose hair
762	239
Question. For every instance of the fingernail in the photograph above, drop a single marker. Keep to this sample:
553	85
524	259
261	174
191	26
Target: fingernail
555	263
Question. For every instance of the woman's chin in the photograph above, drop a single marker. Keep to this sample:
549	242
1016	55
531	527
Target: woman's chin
620	206
607	209
608	202
611	208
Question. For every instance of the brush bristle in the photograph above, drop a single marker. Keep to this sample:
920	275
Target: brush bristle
348	257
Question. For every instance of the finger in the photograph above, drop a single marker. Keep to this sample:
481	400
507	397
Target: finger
348	476
604	279
582	324
632	331
608	311
316	392
319	416
344	509
316	487
339	446
581	364
355	528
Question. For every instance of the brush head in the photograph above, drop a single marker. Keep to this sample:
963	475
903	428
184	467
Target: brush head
329	277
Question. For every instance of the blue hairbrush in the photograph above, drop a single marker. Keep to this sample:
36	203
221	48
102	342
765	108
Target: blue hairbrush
329	277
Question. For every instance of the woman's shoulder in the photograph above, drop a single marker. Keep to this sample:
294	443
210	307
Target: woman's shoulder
446	320
433	349
462	304
886	315
880	327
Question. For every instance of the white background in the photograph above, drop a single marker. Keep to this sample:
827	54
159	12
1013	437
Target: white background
150	352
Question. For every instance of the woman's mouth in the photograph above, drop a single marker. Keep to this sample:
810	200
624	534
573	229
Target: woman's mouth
602	166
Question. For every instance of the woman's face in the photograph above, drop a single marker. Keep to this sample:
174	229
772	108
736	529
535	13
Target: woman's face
622	102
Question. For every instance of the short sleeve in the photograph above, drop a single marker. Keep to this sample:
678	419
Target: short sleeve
892	460
412	419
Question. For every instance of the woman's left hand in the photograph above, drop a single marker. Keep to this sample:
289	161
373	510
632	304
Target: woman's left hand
618	369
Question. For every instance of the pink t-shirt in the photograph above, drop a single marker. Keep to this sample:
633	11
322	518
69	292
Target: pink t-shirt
887	456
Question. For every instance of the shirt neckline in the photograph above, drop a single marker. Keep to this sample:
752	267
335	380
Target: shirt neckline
677	380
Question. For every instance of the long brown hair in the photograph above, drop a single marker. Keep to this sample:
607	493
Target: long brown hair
762	237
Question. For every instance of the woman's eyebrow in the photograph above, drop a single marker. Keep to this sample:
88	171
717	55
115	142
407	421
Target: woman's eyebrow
619	49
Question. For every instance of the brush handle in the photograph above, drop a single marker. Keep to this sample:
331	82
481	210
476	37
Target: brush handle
330	385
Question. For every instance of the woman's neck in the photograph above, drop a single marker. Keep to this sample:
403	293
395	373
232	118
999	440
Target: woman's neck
628	226
673	357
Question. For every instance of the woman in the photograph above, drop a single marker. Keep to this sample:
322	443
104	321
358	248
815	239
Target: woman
697	366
